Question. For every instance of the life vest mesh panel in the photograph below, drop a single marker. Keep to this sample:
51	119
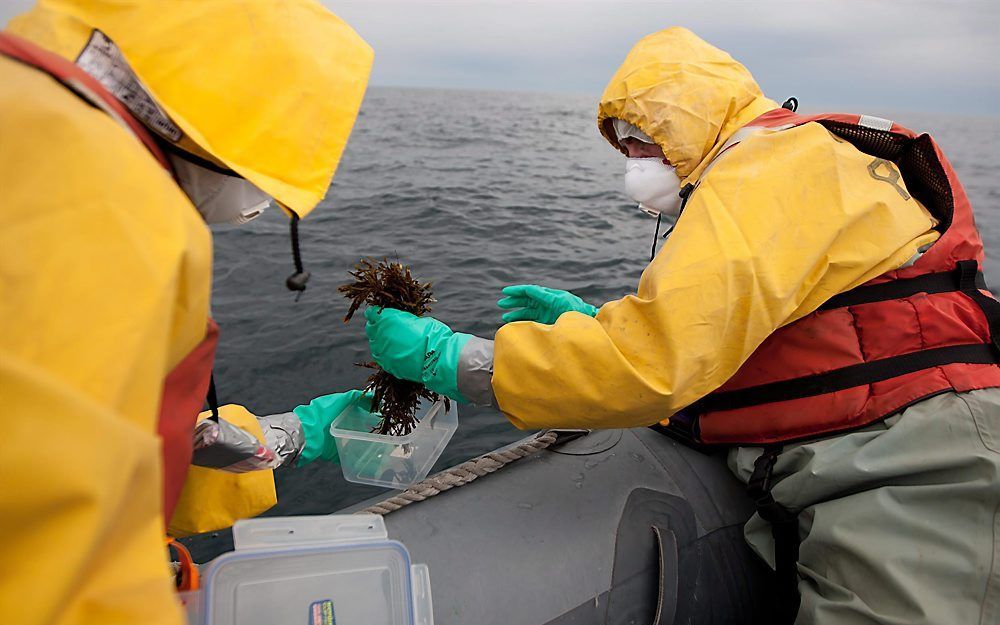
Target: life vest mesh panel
916	159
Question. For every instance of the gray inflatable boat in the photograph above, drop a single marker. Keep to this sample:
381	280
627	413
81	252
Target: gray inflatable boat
608	527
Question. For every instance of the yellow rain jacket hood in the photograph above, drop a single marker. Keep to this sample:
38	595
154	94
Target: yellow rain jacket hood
686	94
782	221
238	78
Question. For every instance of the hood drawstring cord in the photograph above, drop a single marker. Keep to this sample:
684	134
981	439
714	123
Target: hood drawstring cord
297	281
685	193
792	104
656	235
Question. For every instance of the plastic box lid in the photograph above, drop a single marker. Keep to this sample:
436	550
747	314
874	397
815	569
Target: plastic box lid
332	570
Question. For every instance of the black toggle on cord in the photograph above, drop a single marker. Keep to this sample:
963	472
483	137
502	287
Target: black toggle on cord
792	104
297	281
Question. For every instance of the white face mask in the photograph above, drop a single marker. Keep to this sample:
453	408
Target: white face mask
654	185
220	199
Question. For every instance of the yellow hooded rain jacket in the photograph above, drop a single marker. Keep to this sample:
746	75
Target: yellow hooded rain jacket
781	222
105	271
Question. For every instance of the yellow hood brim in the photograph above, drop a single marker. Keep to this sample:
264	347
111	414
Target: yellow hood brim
270	89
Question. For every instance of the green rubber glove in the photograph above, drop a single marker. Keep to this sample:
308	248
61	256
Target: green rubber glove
316	418
540	304
420	349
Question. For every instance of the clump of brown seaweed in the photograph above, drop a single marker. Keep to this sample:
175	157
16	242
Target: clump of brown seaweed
390	285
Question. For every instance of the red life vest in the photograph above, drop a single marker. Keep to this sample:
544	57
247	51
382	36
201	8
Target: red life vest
185	387
870	352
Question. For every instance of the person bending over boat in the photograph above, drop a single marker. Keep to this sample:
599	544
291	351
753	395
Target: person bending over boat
126	128
818	309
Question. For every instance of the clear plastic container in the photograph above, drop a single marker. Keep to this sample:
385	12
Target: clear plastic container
391	461
315	571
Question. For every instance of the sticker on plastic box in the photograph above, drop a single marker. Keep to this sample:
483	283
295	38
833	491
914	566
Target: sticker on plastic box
321	613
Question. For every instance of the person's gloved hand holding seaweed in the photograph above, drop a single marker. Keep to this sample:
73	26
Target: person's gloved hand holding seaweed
421	349
398	389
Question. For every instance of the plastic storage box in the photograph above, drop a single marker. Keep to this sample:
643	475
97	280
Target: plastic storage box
391	461
332	570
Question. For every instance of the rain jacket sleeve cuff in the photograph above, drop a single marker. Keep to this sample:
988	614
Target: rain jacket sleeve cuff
214	499
475	372
315	418
283	433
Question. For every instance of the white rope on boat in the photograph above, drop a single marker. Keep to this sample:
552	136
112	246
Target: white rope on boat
462	474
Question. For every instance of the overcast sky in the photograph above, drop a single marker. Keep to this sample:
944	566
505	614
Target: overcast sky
877	55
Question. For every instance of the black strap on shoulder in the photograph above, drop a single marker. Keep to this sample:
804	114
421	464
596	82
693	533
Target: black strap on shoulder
944	282
966	278
850	376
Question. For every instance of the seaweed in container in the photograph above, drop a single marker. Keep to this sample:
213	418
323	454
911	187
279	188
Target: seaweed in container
391	285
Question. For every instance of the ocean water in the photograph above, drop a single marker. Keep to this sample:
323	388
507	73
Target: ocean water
475	190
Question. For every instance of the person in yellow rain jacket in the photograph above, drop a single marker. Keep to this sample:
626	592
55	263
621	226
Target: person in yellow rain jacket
126	127
817	310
